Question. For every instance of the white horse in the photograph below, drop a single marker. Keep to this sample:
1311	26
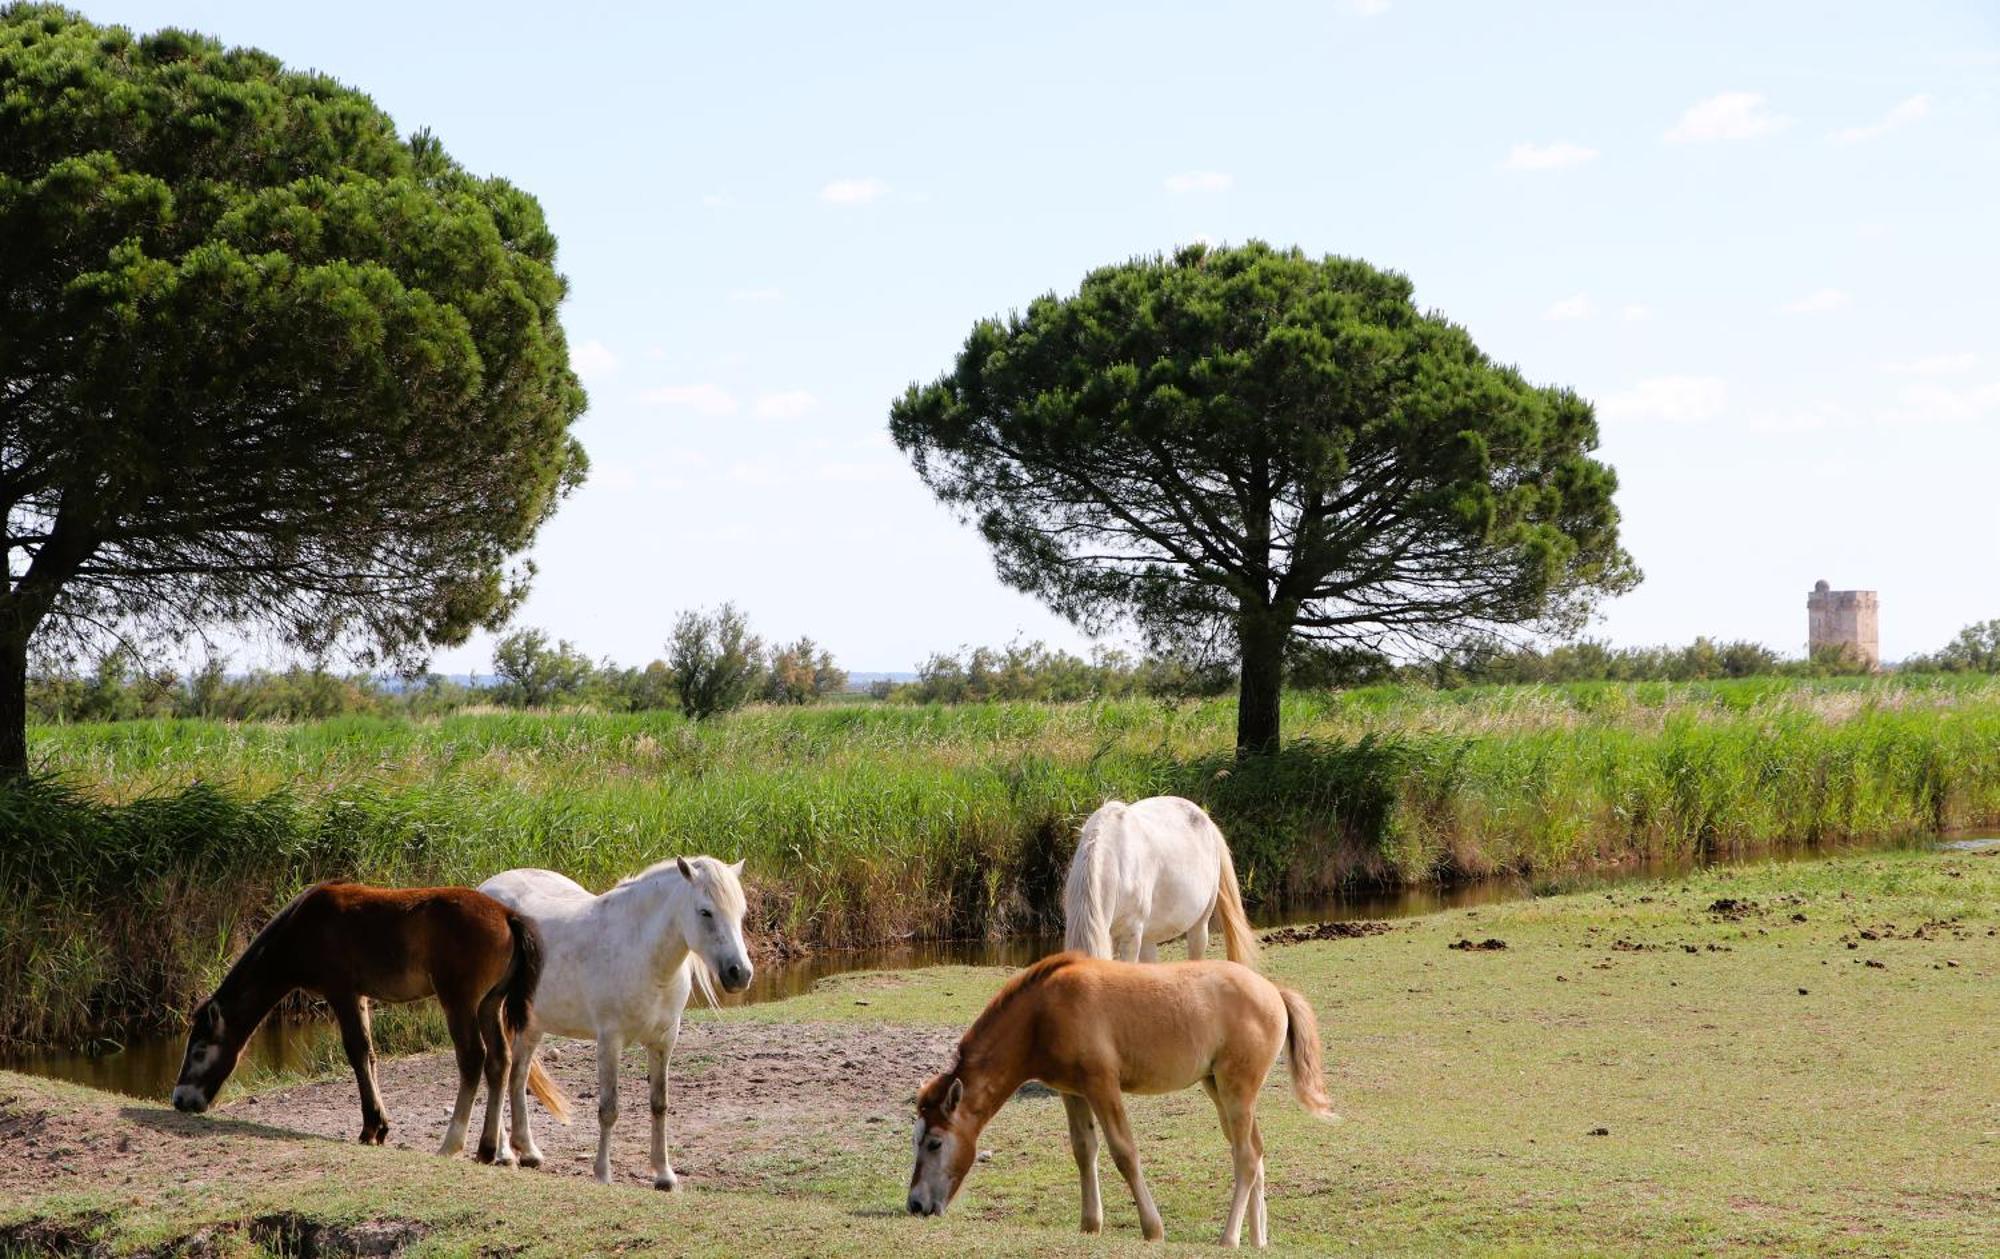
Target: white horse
1148	873
618	968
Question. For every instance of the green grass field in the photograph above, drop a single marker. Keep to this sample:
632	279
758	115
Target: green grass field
1791	1058
150	848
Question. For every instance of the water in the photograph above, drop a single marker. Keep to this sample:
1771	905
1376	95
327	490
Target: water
148	1067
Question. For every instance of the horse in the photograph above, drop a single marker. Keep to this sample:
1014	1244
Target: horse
1093	1030
353	944
618	968
1150	872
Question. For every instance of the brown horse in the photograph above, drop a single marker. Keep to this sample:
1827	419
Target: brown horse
353	944
1093	1030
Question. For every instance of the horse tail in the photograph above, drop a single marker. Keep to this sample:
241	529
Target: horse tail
1086	917
1239	942
517	1008
1302	1048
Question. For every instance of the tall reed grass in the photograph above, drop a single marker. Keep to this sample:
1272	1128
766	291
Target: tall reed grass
143	854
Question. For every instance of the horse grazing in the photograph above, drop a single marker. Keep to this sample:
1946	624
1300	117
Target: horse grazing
353	944
1093	1030
1148	873
619	968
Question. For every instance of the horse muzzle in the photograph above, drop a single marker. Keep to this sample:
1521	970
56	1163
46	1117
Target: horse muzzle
189	1100
736	977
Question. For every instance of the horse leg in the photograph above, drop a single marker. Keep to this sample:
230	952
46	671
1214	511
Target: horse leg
352	1013
1109	1107
463	1020
1149	952
526	1041
1128	948
1197	937
656	1080
608	1049
1260	1226
493	1144
1083	1145
1238	1114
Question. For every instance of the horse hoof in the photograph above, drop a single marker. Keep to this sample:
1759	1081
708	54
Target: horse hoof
485	1154
531	1161
666	1184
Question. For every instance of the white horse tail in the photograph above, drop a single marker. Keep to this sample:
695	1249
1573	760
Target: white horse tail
1086	912
1238	940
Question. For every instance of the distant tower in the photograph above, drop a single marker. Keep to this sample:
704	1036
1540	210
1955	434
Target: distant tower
1839	619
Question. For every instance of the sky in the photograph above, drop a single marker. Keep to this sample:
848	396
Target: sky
1761	238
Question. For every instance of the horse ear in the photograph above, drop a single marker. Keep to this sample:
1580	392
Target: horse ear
687	871
953	1094
737	870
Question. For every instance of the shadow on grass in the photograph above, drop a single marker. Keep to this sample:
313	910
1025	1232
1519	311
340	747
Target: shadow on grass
174	1123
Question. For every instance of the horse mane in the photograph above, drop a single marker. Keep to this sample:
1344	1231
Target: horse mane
1021	982
255	948
723	888
1086	929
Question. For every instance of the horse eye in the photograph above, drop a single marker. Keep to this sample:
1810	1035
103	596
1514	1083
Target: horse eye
934	1145
708	913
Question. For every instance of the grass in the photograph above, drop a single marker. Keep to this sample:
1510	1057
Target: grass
149	849
1741	1115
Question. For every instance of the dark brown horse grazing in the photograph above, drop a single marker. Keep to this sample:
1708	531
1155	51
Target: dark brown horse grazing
1093	1030
353	944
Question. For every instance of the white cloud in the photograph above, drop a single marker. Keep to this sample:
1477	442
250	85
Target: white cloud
1576	307
593	360
789	404
716	200
1905	113
1945	404
1727	116
1806	419
854	191
1820	302
850	473
756	295
1635	312
1199	181
1548	156
616	478
1934	365
1672	399
1367	8
705	399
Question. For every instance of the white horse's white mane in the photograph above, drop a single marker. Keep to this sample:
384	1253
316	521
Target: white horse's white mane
719	880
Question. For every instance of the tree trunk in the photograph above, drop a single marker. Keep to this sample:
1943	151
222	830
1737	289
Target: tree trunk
1262	636
13	703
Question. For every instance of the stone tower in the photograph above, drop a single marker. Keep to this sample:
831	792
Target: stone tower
1839	619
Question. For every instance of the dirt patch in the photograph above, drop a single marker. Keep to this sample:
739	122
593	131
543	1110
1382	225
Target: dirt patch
74	1236
744	1099
1488	945
288	1233
1325	931
1730	907
836	1078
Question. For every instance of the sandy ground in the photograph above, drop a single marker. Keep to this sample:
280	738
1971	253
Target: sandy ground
834	1077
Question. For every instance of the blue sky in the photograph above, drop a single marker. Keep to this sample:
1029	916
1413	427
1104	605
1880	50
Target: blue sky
1762	237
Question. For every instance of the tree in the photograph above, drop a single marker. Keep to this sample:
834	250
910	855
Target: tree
801	672
1250	445
262	361
534	675
1975	650
715	660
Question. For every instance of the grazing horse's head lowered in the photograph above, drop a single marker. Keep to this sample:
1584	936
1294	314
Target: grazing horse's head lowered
947	1142
211	1056
712	919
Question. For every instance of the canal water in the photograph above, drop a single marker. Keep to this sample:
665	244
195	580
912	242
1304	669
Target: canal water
147	1067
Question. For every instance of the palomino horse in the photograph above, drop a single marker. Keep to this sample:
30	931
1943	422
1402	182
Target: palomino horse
1093	1030
1148	873
619	967
352	945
